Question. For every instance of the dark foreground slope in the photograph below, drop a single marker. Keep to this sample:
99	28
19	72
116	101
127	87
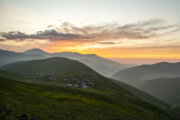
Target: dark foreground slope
175	111
21	100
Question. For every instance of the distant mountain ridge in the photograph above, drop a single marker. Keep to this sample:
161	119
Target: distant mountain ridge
7	57
147	72
103	66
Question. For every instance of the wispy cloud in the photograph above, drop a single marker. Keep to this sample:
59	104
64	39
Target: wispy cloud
51	35
103	34
141	30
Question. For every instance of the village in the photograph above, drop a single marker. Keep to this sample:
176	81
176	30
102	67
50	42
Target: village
75	81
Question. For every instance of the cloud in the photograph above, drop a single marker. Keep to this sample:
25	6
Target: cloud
140	30
51	35
97	33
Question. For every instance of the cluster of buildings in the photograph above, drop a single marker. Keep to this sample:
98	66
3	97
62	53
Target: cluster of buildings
76	81
80	81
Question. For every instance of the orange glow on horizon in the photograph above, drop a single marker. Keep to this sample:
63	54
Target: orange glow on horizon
117	52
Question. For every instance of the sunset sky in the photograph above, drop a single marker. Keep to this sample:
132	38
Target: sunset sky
129	31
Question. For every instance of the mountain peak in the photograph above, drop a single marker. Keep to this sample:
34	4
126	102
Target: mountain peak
36	51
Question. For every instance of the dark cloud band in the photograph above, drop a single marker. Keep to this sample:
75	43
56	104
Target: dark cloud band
52	35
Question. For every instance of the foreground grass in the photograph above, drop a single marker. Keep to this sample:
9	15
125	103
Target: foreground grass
20	100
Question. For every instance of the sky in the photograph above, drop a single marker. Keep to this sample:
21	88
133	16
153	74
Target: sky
128	31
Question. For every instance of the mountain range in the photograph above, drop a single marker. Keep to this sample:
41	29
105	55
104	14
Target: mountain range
103	66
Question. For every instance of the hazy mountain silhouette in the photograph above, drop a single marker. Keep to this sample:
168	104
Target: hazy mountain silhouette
7	57
166	89
104	66
146	72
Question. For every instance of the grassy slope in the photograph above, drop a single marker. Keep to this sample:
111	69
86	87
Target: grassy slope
54	103
101	82
158	88
144	96
59	66
166	89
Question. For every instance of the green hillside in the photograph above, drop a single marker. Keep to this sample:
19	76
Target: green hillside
23	101
58	71
144	96
65	71
56	65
